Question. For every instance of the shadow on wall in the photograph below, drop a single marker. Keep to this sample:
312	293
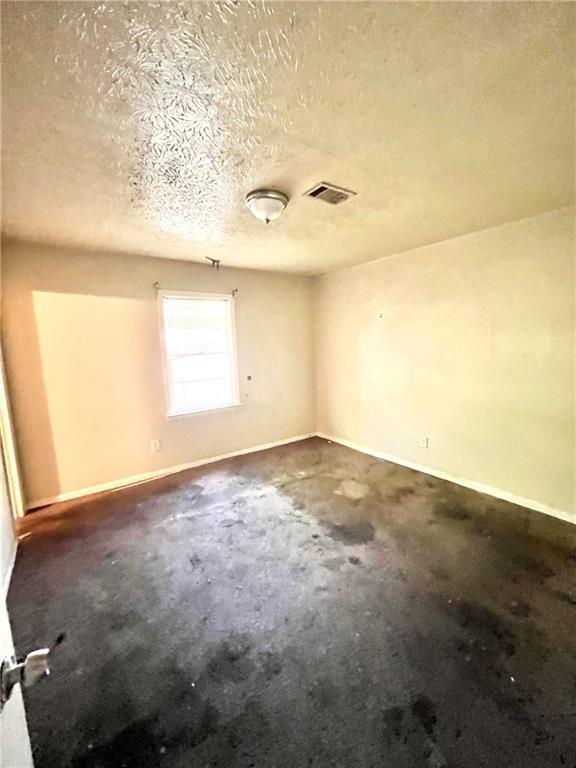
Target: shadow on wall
84	365
43	323
35	421
86	346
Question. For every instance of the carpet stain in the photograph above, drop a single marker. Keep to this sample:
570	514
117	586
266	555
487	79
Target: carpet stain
424	710
450	510
352	489
230	660
216	619
351	533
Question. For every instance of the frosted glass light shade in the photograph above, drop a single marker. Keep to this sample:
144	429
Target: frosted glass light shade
266	204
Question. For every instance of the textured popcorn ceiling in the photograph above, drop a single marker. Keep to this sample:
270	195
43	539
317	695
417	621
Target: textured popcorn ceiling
141	126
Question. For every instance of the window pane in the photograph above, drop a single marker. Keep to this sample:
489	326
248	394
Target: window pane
195	325
192	368
196	395
186	341
200	355
178	397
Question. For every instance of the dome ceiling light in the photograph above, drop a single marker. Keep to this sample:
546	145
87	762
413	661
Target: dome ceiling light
266	204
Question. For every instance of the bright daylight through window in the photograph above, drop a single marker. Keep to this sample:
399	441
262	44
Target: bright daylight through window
200	353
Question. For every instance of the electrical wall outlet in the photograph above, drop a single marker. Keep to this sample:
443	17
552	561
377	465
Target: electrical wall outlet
423	441
155	445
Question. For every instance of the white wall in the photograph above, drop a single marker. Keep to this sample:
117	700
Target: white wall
83	357
15	749
8	541
14	741
470	342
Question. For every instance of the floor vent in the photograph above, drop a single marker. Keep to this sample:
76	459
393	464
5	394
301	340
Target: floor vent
329	193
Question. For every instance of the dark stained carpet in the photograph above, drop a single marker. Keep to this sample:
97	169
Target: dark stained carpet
303	606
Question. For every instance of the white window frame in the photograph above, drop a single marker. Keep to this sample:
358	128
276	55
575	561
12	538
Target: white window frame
229	298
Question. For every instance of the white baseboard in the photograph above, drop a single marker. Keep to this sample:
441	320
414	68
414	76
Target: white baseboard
154	474
114	485
537	506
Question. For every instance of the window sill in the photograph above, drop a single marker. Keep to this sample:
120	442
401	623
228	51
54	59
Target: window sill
216	409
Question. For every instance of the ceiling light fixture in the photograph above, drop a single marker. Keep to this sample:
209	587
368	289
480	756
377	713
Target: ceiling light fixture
266	204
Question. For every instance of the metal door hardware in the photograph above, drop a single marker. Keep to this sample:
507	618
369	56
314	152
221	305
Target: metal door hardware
26	671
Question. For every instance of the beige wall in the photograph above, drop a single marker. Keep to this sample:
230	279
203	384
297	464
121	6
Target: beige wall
468	341
83	357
